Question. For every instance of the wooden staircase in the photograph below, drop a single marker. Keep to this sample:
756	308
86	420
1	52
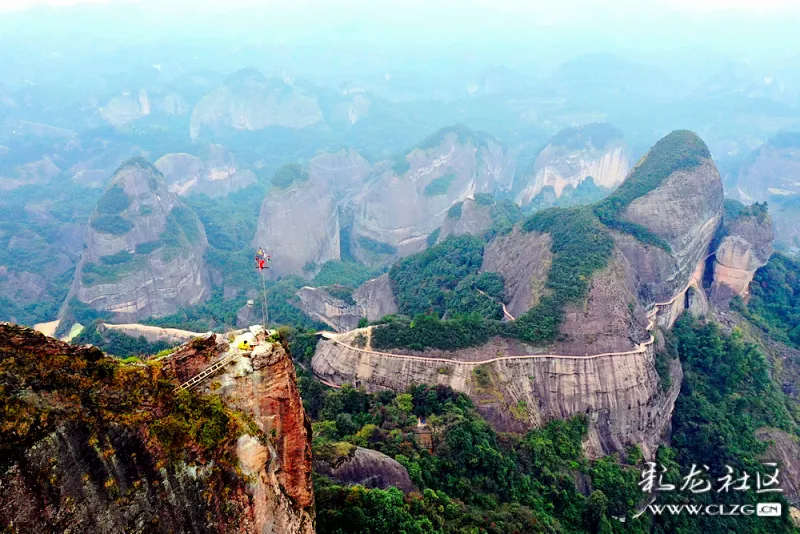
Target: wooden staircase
209	371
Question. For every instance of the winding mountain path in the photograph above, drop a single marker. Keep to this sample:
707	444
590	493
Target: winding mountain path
652	315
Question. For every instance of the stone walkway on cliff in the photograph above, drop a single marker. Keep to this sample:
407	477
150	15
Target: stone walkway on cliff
652	316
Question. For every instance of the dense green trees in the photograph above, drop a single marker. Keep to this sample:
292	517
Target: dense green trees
774	303
289	174
439	186
420	282
474	481
581	246
111	224
726	396
117	343
479	481
114	201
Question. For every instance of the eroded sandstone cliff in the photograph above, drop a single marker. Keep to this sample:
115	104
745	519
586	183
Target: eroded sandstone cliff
319	304
144	249
375	298
92	445
620	394
215	174
574	154
684	211
744	245
250	101
602	361
394	214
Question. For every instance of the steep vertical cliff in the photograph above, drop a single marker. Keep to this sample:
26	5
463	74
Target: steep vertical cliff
666	213
744	244
394	214
92	445
573	155
299	223
214	174
144	249
300	219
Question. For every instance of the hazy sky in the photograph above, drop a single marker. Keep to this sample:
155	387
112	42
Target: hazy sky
556	8
341	35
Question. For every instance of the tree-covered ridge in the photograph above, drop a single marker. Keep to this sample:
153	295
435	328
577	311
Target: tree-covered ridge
504	213
581	245
442	281
677	151
114	201
734	210
50	386
421	282
774	303
289	174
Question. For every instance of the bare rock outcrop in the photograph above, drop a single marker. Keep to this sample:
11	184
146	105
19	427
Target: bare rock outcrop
299	225
144	249
784	449
602	362
684	210
375	298
574	154
215	174
523	259
248	101
394	214
744	245
366	467
319	304
473	218
301	219
264	386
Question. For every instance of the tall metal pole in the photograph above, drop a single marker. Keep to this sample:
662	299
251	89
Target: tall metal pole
264	309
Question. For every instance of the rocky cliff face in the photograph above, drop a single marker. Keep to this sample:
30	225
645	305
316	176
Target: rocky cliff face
299	225
621	395
375	298
685	210
300	222
394	214
574	154
785	451
215	175
745	245
97	446
473	218
144	249
770	175
523	260
264	387
319	304
249	101
129	106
